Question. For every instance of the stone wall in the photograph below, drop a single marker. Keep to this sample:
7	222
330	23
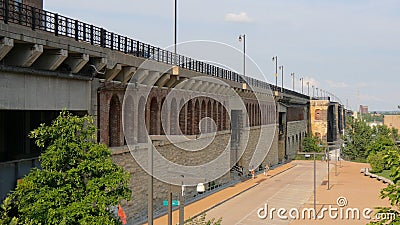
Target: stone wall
296	131
136	208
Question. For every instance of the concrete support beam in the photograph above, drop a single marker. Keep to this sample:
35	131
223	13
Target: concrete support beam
163	80
126	74
51	59
6	45
152	78
203	86
24	55
196	85
112	73
77	62
99	63
141	75
173	81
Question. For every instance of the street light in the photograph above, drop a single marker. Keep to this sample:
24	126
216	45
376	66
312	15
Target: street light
243	37
281	69
175	29
308	88
313	91
302	85
292	74
317	92
275	59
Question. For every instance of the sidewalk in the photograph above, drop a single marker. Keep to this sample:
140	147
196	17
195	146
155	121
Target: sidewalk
209	202
357	190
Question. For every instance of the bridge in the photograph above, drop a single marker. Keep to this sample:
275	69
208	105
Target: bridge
142	95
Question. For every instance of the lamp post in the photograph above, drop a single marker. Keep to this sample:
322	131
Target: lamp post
281	69
317	92
292	75
308	88
302	85
313	92
242	37
175	29
275	59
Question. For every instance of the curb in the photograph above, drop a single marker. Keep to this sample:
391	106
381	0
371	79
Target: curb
384	180
241	192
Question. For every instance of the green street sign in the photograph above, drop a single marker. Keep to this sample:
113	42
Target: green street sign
174	203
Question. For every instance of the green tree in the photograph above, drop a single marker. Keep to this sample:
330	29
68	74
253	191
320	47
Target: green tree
358	137
376	161
77	182
311	143
392	192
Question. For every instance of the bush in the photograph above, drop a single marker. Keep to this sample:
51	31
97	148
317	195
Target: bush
376	161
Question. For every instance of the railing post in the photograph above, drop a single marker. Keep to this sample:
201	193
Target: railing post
56	24
92	35
126	45
33	11
112	41
76	30
6	11
102	37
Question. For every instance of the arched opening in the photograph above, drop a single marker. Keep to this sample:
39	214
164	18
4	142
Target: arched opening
182	117
224	118
128	120
114	122
189	125
173	117
203	115
197	115
209	111
154	121
220	117
163	123
142	132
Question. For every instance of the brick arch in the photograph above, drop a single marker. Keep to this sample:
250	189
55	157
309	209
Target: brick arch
142	121
153	116
215	115
190	117
209	114
197	115
128	120
173	117
163	127
203	115
183	116
114	122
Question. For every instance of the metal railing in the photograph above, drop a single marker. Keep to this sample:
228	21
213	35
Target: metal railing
38	19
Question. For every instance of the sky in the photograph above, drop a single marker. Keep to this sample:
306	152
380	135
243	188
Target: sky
350	48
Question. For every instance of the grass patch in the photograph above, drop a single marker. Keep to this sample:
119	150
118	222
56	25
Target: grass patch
384	173
303	157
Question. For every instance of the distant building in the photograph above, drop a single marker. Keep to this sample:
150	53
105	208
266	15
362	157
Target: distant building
363	109
392	121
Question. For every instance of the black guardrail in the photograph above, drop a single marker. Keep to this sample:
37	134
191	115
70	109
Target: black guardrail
38	19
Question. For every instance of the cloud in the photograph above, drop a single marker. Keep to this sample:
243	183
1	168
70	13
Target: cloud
238	18
334	84
311	80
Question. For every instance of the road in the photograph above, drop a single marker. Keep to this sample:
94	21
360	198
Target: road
290	189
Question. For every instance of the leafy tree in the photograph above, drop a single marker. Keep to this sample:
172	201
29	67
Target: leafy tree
358	138
376	161
392	192
311	144
77	182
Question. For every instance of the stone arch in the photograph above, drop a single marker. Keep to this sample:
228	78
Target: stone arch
153	117
182	117
173	117
114	122
142	132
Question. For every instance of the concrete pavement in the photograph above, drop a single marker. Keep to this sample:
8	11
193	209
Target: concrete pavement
214	200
